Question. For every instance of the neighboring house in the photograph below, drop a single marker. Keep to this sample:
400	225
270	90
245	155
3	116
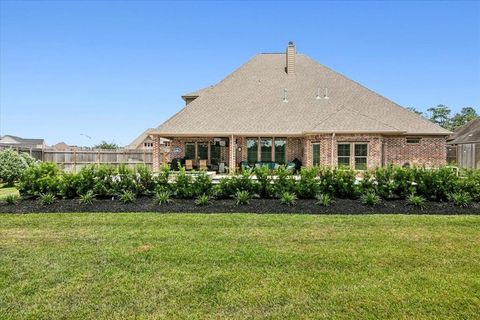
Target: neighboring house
465	144
282	106
145	142
22	143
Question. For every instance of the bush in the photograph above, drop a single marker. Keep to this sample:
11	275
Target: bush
460	199
242	198
470	182
324	199
183	185
308	185
263	180
67	187
288	198
127	196
41	178
370	199
283	182
394	182
13	165
163	197
11	199
87	198
124	179
202	184
145	182
47	198
202	200
417	201
344	184
435	184
162	179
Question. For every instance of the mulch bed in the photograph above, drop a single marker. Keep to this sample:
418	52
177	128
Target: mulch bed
340	206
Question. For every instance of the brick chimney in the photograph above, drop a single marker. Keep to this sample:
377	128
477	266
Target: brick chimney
290	58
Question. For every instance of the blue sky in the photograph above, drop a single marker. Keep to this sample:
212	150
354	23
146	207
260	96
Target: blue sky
110	69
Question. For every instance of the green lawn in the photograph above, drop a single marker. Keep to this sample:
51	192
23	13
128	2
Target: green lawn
238	266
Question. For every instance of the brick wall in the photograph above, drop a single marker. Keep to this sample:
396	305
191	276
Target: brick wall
431	151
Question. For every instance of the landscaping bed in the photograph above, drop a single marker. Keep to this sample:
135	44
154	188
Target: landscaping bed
306	206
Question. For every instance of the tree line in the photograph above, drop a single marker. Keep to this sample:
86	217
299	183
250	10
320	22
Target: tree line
442	115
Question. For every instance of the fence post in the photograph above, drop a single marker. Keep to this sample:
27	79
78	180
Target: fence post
74	160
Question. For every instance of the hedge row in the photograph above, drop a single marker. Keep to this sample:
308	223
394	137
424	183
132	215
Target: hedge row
389	182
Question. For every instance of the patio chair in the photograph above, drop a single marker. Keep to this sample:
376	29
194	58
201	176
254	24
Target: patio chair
188	165
202	164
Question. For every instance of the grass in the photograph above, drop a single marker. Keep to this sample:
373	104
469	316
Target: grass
149	266
4	191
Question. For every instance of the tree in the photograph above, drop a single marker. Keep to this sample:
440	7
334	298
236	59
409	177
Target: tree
465	115
440	115
106	145
12	165
414	110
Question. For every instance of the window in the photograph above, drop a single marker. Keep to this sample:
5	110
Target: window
215	153
252	150
190	150
203	151
413	140
361	154
266	149
280	150
148	144
316	154
343	154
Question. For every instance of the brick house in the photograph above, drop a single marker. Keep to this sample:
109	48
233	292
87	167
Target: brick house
282	106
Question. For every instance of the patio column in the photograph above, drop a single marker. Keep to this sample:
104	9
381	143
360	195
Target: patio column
232	148
156	154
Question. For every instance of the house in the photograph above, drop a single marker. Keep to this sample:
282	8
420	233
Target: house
22	143
465	144
145	142
285	106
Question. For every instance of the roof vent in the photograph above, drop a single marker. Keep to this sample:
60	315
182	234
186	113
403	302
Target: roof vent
285	95
326	94
318	94
290	68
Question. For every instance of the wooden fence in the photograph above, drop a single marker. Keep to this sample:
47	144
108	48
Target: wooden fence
74	160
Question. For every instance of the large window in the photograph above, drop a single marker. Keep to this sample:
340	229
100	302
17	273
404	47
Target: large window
280	150
190	150
343	153
252	150
203	151
316	154
361	154
266	149
215	153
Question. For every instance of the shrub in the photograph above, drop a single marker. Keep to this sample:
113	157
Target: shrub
47	198
460	199
11	199
13	165
67	186
284	182
308	185
41	178
124	179
162	179
87	198
288	198
370	199
394	182
324	199
435	184
202	200
145	181
202	184
183	184
344	183
163	197
470	182
327	183
243	182
242	198
415	200
127	196
263	180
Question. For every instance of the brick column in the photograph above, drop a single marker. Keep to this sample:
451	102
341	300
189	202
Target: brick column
156	154
232	162
307	161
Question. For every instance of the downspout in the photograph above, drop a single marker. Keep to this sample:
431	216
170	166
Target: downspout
331	159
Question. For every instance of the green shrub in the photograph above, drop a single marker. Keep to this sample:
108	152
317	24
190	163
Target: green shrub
288	198
263	180
370	199
183	185
461	199
87	198
13	165
243	182
469	182
41	178
283	182
394	182
127	196
202	184
11	199
415	200
67	187
324	199
47	198
242	198
104	179
163	197
145	181
124	179
308	186
202	200
162	179
435	184
345	184
327	183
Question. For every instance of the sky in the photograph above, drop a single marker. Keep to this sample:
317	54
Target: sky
86	71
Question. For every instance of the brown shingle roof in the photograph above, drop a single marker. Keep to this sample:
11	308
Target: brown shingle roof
250	101
468	133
